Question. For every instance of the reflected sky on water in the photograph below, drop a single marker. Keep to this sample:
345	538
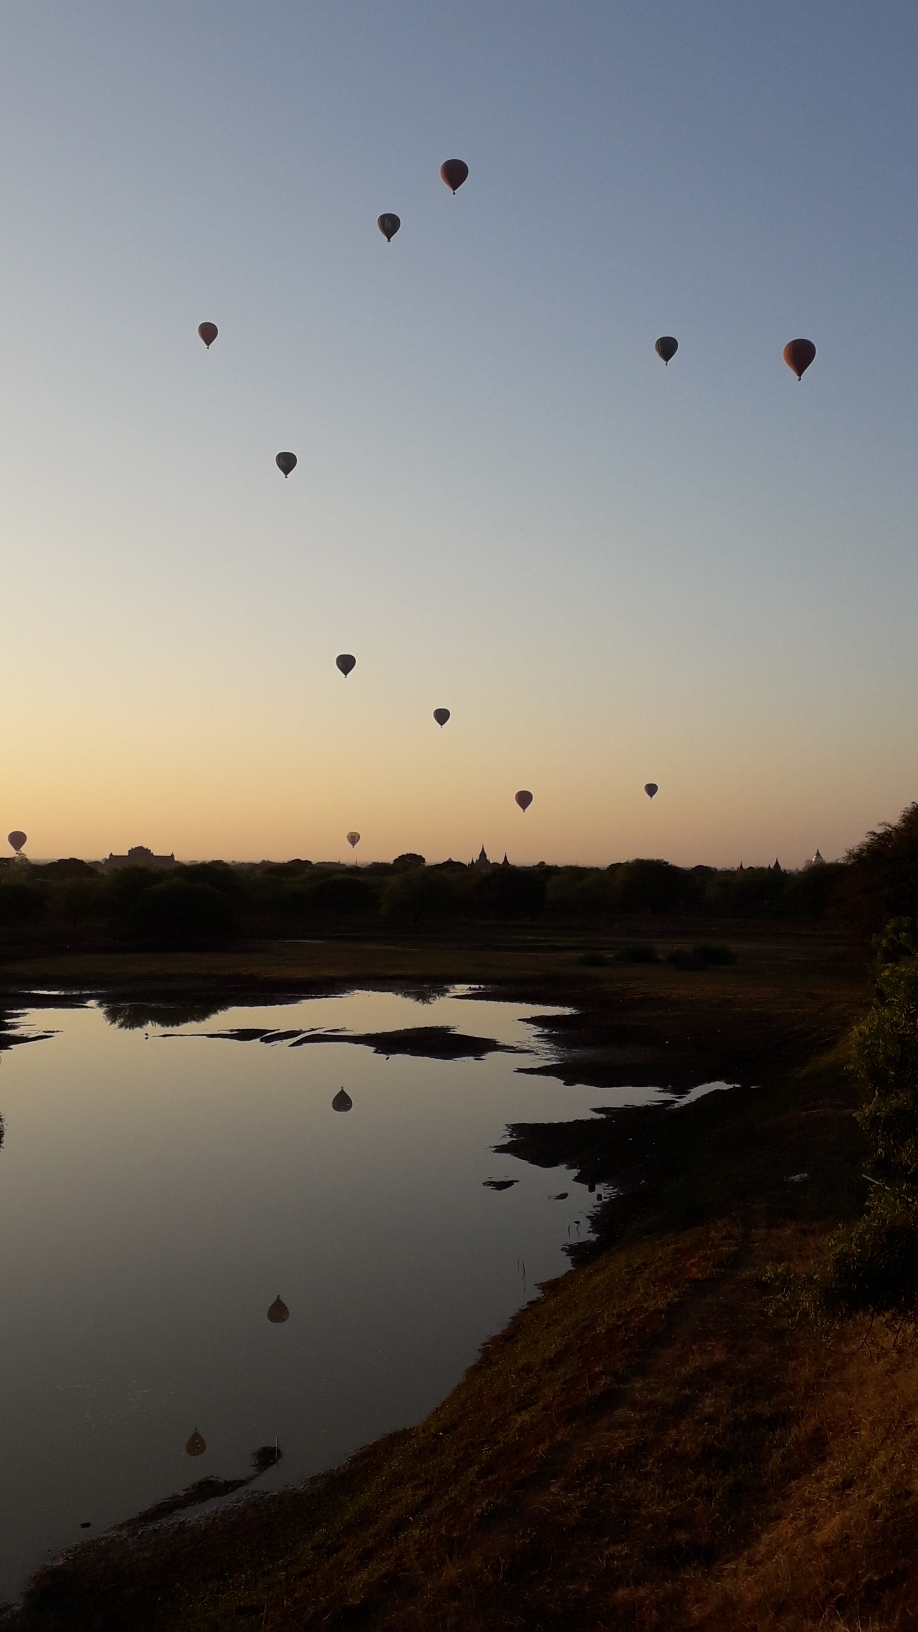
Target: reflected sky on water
160	1188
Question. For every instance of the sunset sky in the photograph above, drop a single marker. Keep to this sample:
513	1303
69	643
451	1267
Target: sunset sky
611	572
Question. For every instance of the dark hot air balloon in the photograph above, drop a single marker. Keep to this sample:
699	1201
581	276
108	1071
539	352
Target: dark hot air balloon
345	663
523	798
353	839
196	1445
650	788
208	333
286	462
388	226
16	839
278	1311
342	1101
454	172
666	347
441	715
798	354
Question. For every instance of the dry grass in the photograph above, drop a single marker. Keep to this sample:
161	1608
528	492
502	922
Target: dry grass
650	1446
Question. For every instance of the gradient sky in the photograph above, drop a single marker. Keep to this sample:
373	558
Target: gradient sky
705	575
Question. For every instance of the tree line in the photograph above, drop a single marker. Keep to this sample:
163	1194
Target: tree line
71	901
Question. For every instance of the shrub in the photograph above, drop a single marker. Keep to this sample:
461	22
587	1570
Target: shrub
654	887
881	877
68	867
343	896
885	1057
20	904
420	896
872	1266
580	893
179	914
508	892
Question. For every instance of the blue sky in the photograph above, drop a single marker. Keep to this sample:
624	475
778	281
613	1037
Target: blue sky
704	575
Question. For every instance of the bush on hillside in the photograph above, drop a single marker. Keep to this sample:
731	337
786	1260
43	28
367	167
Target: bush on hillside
881	876
873	1265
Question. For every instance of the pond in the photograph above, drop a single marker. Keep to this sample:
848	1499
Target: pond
161	1186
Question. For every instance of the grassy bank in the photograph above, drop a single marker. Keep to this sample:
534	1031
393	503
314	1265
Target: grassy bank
650	1444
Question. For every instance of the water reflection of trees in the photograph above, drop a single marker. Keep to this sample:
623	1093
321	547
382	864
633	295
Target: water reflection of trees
424	994
137	1016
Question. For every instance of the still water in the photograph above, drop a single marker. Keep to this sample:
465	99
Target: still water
160	1188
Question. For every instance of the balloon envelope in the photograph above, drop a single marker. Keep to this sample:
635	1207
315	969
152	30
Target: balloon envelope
441	715
278	1311
342	1101
798	354
352	839
16	839
454	172
208	333
666	347
196	1445
523	798
345	663
388	226
650	788
286	462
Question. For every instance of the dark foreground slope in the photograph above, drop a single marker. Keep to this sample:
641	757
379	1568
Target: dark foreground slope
650	1444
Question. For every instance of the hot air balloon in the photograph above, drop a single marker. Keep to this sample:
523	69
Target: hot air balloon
441	715
208	333
666	347
278	1311
196	1445
345	663
798	354
454	172
523	798
342	1101
353	839
286	462
388	226
16	840
650	788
